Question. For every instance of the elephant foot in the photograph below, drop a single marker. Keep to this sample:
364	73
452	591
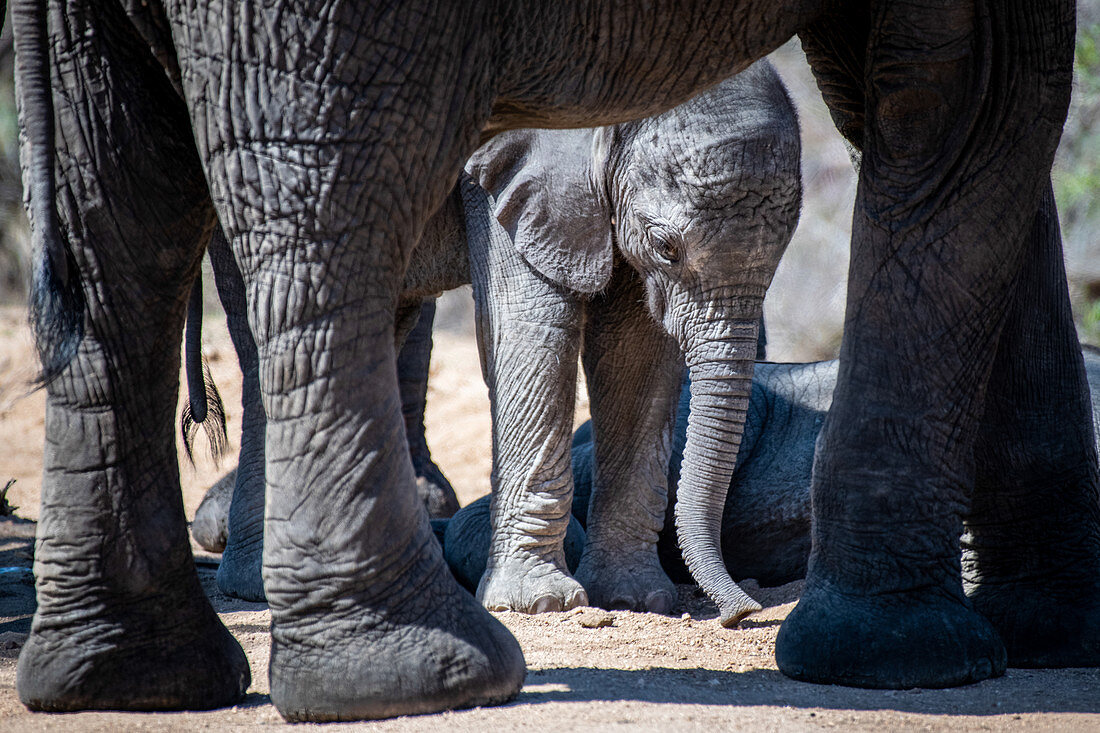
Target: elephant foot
422	647
211	526
162	652
888	641
1031	561
467	537
1043	625
617	584
530	585
240	571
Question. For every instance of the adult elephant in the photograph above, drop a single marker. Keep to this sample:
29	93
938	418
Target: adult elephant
230	519
322	136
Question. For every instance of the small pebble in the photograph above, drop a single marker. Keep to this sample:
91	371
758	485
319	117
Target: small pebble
595	619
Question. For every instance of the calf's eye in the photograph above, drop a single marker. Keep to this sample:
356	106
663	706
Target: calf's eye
666	249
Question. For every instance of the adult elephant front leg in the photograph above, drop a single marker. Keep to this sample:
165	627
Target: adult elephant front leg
528	331
945	201
633	370
367	620
239	572
1031	559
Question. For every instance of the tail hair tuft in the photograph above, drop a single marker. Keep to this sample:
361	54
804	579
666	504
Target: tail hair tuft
213	423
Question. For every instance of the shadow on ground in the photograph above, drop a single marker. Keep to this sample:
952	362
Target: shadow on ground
1019	691
17	601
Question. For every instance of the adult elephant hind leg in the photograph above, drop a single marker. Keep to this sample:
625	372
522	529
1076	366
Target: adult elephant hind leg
935	257
633	371
528	333
122	621
367	621
239	572
1031	560
413	361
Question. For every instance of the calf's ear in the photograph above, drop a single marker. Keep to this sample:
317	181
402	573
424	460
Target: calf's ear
548	193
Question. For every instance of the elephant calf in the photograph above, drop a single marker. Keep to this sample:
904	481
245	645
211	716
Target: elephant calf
634	246
637	246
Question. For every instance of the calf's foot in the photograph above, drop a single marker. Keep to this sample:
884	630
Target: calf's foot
211	525
467	537
529	585
631	582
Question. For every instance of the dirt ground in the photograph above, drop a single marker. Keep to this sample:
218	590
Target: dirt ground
587	669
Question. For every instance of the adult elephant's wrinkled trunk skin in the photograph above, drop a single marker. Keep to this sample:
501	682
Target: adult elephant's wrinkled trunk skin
719	359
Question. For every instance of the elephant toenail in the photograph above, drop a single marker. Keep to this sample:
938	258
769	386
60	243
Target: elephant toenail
546	604
659	602
620	604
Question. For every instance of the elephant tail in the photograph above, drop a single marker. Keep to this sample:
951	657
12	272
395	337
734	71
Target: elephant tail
204	408
57	298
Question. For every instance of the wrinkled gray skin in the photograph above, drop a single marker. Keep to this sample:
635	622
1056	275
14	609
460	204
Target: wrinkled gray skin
467	535
413	359
239	571
701	202
323	136
211	525
642	241
766	523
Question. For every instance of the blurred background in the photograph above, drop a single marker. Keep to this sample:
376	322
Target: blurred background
805	307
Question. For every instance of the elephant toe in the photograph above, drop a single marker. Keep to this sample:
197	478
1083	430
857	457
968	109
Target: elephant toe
660	601
547	604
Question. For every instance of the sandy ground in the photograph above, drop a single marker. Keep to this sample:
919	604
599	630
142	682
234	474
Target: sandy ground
587	669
